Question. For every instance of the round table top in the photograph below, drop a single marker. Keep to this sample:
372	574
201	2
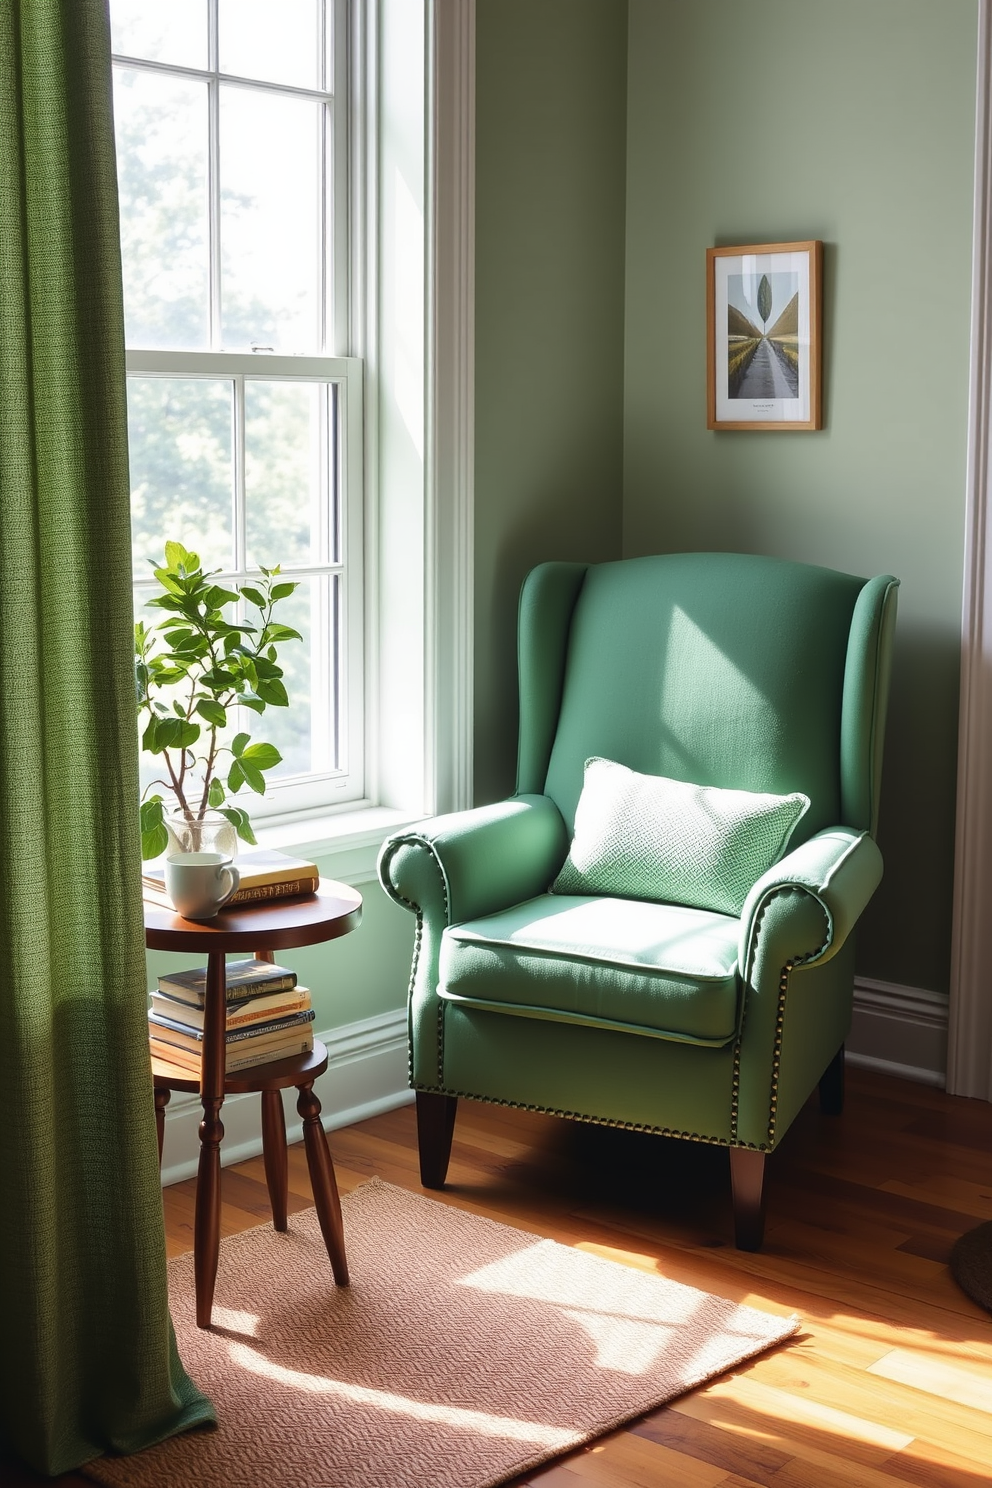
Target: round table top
333	910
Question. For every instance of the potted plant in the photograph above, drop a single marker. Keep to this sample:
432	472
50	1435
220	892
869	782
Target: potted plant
191	670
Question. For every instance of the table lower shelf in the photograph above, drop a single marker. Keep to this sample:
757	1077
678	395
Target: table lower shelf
280	1074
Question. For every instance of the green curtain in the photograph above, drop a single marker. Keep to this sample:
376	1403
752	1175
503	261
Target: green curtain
87	1354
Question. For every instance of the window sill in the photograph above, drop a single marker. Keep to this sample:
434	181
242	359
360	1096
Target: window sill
346	843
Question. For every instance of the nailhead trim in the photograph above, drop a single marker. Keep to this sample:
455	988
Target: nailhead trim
418	937
660	1131
783	988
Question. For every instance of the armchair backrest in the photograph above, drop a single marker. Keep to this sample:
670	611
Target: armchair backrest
718	668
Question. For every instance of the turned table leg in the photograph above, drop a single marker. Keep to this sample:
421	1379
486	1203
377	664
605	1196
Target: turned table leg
162	1099
274	1156
206	1231
325	1188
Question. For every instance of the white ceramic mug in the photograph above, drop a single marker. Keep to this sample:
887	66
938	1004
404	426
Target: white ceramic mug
199	884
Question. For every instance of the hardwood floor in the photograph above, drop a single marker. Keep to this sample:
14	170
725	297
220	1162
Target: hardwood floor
890	1380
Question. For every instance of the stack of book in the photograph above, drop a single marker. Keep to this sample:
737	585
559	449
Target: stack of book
265	874
268	1016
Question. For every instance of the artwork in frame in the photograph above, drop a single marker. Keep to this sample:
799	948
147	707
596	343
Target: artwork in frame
763	303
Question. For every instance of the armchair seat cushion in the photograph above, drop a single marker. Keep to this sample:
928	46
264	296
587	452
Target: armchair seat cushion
658	969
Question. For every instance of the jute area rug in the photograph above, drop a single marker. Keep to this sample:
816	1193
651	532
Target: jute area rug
463	1353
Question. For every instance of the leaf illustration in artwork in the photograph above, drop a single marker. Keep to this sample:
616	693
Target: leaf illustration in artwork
764	298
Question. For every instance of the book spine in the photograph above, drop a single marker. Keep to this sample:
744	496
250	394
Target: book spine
256	893
242	1059
172	1010
193	1037
241	990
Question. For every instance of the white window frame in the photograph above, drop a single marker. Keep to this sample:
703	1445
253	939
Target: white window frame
418	519
320	788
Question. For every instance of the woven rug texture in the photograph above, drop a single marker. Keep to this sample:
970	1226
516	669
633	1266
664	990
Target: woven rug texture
463	1353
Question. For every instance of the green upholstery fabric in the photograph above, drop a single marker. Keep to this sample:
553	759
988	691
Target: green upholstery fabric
727	670
658	969
648	837
717	668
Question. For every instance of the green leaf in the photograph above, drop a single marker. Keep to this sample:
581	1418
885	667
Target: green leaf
249	699
239	820
154	837
212	712
151	813
235	778
283	591
154	842
255	595
216	596
215	796
262	756
168	581
275	632
149	739
175	733
253	776
238	743
273	692
177	557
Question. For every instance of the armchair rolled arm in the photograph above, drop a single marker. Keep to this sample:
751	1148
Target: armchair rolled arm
840	868
476	862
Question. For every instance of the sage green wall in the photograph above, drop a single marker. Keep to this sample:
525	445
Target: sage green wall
853	122
550	138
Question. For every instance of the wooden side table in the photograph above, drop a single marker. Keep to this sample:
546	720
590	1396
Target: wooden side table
259	930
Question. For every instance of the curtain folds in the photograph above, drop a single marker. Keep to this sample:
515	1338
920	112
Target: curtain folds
87	1355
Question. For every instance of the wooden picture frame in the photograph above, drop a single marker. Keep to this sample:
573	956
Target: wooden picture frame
763	342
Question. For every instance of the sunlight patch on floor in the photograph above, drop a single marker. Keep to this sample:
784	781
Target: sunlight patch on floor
967	1387
480	1423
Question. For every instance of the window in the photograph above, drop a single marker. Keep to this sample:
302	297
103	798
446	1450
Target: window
245	414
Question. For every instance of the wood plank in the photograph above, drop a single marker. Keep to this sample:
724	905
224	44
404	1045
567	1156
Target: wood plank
969	1386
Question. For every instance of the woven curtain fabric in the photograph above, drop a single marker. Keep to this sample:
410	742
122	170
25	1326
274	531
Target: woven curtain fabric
87	1355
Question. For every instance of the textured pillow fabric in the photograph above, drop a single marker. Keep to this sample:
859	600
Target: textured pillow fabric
648	837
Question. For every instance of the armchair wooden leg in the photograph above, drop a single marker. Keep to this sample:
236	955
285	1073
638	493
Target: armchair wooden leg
435	1128
747	1176
832	1085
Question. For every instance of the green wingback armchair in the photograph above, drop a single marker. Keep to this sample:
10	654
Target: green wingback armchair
725	670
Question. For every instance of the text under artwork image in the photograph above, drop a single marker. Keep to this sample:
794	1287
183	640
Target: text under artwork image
763	336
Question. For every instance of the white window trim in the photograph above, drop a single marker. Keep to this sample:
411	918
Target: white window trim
436	615
969	1048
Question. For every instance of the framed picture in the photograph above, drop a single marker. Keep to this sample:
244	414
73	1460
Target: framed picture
763	336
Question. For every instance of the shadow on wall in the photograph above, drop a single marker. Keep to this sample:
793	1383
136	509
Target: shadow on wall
549	534
917	814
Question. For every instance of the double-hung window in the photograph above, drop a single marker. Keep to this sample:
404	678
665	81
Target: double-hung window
245	413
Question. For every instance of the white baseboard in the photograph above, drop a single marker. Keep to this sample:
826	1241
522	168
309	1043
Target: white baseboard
366	1074
899	1031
